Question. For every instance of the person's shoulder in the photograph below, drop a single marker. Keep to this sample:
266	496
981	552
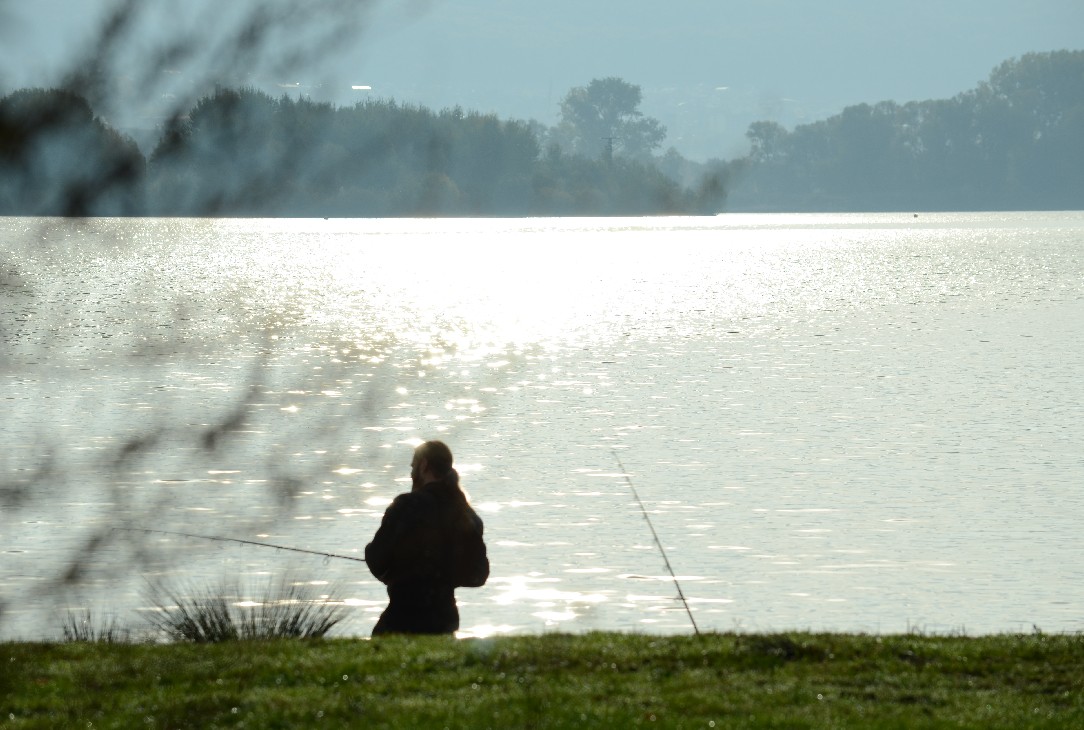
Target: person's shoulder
404	502
418	499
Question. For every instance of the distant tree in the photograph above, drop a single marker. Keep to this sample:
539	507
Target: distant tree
766	141
374	159
1015	141
236	152
58	158
243	152
1031	112
492	162
575	185
607	110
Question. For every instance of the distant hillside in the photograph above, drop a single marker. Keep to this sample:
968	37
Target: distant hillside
1015	142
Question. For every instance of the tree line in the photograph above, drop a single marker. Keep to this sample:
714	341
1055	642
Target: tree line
241	152
1014	142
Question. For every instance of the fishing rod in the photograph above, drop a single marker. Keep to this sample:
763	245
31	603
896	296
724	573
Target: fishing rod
240	541
655	535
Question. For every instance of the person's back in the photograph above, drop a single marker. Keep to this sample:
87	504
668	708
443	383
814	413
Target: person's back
429	543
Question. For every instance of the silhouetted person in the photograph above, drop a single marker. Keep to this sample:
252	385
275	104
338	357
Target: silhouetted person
428	544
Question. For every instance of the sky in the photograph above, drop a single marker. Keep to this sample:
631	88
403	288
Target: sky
707	68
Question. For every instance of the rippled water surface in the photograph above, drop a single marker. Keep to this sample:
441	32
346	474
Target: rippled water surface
858	423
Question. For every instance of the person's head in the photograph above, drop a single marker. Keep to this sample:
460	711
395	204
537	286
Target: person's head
432	462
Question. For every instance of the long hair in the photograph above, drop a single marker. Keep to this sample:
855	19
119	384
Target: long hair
439	457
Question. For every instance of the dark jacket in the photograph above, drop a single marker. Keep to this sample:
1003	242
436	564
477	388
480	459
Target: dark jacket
428	544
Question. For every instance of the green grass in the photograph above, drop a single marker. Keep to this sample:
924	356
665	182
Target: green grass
596	680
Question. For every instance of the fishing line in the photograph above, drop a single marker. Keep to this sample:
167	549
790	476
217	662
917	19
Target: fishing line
242	542
655	535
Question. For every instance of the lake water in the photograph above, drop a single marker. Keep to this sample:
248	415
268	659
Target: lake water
835	422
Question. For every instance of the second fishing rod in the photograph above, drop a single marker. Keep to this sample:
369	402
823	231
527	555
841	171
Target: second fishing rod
658	543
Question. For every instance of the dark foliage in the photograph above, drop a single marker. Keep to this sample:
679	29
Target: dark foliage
1015	142
604	117
58	159
240	152
380	158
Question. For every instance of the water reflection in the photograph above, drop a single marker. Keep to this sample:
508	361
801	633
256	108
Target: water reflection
551	605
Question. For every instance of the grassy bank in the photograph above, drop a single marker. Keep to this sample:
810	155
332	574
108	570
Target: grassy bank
597	680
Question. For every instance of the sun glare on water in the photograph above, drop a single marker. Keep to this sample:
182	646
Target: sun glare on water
479	286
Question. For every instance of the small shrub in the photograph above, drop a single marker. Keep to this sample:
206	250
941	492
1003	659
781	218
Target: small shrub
290	610
79	626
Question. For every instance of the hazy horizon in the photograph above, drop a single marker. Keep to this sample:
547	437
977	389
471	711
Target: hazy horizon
707	69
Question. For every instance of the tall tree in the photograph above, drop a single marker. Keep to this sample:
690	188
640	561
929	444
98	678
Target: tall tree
604	116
